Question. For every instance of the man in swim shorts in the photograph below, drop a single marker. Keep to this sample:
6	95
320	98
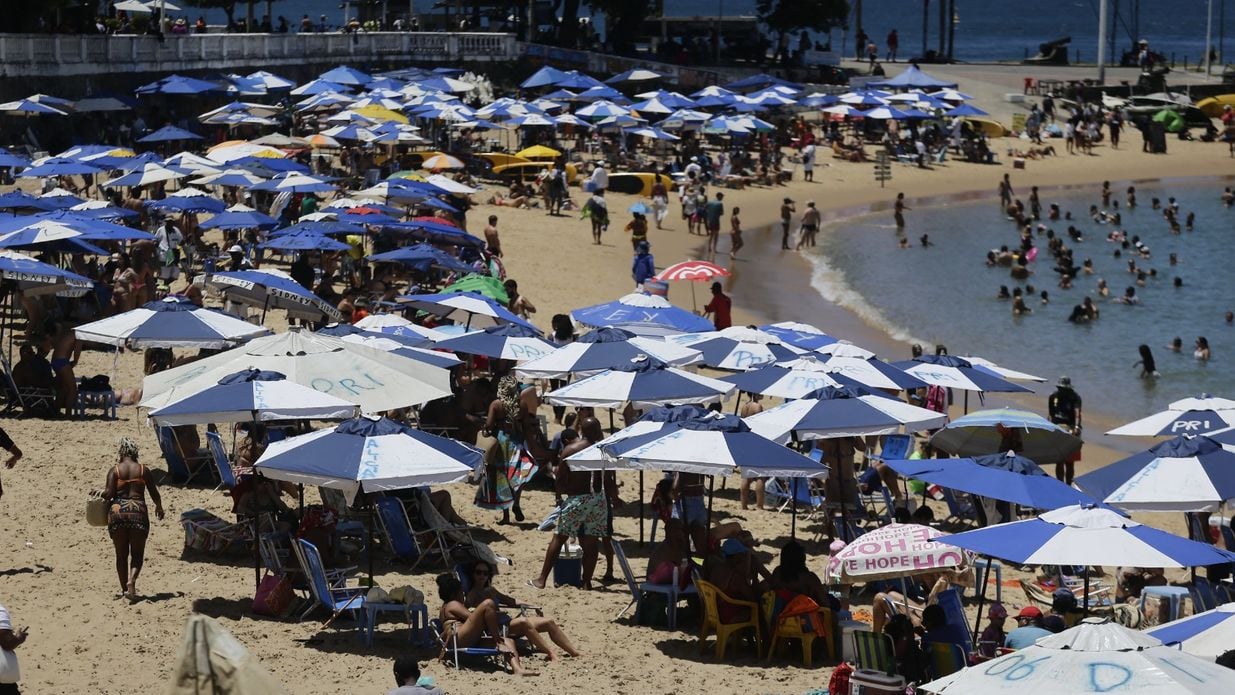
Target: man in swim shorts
690	508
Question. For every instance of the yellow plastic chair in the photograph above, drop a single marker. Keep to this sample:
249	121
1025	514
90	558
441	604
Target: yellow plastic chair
710	594
788	625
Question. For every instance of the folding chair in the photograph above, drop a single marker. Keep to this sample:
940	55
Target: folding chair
803	622
33	402
222	462
895	447
874	651
958	513
182	468
945	658
453	649
397	531
957	630
1204	598
335	599
639	590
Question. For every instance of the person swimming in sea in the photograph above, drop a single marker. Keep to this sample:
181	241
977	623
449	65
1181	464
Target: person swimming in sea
1046	297
1148	367
1177	344
1189	221
1019	307
1103	290
1129	297
1201	349
1131	197
1003	293
1228	197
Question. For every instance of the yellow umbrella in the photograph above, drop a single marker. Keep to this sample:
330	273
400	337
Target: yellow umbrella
409	175
539	152
380	114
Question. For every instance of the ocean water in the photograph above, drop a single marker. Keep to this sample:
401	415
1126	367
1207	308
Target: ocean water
986	30
947	294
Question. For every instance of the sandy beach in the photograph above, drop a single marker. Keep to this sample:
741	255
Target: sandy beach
57	573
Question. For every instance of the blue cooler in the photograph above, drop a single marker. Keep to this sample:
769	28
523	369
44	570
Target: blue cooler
568	568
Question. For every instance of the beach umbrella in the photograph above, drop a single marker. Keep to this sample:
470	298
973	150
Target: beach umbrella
346	75
271	81
189	200
736	351
369	455
863	98
894	551
58	226
372	330
373	379
865	370
965	110
883	113
469	309
319	227
169	133
269	289
957	373
20	200
58	167
192	162
101	210
1207	635
252	395
304	242
1004	372
644	315
913	78
1190	473
651	106
178	84
793	379
692	271
655	419
148	174
229	177
294	182
34	277
1096	656
799	335
573	79
58	199
543	77
171	322
538	152
486	285
643	382
725	125
12	161
847	411
399	346
506	342
530	120
653	134
446	84
601	349
603	108
1006	477
635	75
842	110
1200	415
442	161
951	95
388	323
422	257
240	217
102	102
1087	535
978	433
32	107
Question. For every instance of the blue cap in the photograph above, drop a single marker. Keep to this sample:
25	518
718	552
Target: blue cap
733	546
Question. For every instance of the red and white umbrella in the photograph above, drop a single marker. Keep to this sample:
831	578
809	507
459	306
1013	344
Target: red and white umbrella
694	271
894	551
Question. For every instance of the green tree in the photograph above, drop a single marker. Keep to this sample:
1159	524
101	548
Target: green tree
783	16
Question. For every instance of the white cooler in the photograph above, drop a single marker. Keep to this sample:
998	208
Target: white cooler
847	628
867	682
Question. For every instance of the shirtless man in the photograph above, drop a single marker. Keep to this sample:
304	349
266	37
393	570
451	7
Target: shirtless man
66	350
786	214
752	407
810	226
584	512
690	509
519	305
492	243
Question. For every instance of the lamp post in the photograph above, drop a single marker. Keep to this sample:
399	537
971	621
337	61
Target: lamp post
1102	42
1209	27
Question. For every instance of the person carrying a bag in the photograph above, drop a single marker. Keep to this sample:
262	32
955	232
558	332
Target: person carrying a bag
10	640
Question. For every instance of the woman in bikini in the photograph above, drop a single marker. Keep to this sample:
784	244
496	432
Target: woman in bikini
468	628
529	626
128	522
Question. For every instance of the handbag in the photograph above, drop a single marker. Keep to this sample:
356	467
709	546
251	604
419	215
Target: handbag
96	509
274	595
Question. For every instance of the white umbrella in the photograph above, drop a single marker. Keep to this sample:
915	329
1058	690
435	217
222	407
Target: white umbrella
373	379
1207	635
252	395
1096	656
893	552
1198	415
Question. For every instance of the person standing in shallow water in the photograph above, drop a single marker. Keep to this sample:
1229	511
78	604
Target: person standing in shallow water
899	211
1064	409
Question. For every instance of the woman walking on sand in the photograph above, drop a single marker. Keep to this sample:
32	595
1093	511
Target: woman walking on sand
735	234
128	522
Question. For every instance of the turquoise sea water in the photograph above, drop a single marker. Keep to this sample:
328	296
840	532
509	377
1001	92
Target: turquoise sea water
947	294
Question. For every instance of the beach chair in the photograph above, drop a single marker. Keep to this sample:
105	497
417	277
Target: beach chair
335	599
435	533
397	531
180	467
32	401
957	630
847	528
945	658
672	592
961	514
874	651
222	464
105	400
1204	598
801	619
453	651
895	447
710	596
350	524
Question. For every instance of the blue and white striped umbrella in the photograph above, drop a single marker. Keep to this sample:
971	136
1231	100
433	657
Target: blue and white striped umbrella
799	335
601	109
27	232
469	309
868	371
644	315
977	434
171	322
1185	474
851	411
189	200
229	177
1092	536
644	382
593	458
712	444
791	379
240	217
296	182
35	277
601	349
369	455
1207	635
253	395
505	342
270	289
1200	415
734	354
957	373
398	346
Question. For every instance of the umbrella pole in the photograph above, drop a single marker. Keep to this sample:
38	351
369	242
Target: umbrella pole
738	404
966	403
300	498
369	538
793	516
640	508
1085	596
977	621
693	305
711	484
265	305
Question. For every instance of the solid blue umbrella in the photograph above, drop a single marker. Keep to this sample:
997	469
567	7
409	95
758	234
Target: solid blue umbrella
437	233
8	159
188	203
470	309
367	455
172	322
643	315
760	81
1185	474
1012	479
170	133
271	290
240	219
371	218
422	257
19	200
59	167
507	342
304	242
965	110
543	78
319	227
253	395
346	75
